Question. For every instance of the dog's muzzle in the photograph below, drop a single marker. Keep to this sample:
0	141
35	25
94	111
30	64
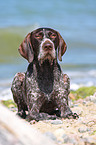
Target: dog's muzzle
47	46
47	50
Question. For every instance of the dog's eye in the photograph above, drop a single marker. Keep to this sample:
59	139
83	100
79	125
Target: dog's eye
39	36
52	36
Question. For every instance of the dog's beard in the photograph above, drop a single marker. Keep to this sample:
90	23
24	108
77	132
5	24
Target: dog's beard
46	57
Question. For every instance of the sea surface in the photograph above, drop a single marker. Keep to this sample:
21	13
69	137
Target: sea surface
76	22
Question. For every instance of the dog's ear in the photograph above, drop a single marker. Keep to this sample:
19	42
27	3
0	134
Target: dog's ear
26	50
61	47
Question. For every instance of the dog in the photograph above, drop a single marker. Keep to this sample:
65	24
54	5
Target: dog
43	90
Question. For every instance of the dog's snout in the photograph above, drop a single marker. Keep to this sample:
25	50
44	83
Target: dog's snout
47	45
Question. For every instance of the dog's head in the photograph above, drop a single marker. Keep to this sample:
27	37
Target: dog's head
43	44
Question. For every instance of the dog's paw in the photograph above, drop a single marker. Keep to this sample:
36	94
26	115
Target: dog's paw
22	114
75	116
71	116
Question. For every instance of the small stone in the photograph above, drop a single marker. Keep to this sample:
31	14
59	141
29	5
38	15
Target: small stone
83	129
59	133
93	98
50	135
56	122
89	141
80	119
69	139
76	105
91	123
84	102
13	109
72	96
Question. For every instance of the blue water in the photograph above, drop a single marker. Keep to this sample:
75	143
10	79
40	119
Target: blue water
76	22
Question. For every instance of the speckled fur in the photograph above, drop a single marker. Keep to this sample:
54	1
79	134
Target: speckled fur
42	91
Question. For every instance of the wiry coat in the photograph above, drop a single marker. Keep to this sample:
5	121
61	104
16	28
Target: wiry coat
43	90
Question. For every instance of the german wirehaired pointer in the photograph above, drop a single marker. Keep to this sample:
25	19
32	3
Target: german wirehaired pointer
43	90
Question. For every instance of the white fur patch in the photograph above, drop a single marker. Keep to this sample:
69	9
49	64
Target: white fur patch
43	55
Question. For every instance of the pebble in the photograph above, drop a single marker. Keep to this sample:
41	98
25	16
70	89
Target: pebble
93	99
58	133
84	102
76	105
56	122
83	129
91	123
50	135
13	109
69	139
89	141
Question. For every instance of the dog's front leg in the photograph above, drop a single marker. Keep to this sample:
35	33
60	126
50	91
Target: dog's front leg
64	109
62	98
34	106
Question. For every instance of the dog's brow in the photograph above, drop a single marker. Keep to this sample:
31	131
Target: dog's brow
44	32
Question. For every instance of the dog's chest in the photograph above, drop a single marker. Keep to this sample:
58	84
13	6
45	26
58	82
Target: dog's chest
43	79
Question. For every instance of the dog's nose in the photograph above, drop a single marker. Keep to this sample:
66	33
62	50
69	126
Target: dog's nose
47	46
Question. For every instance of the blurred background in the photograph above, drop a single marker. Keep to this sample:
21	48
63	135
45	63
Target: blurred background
76	22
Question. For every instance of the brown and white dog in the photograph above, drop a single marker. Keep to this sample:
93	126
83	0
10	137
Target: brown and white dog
43	90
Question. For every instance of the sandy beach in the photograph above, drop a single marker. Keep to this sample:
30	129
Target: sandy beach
79	131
